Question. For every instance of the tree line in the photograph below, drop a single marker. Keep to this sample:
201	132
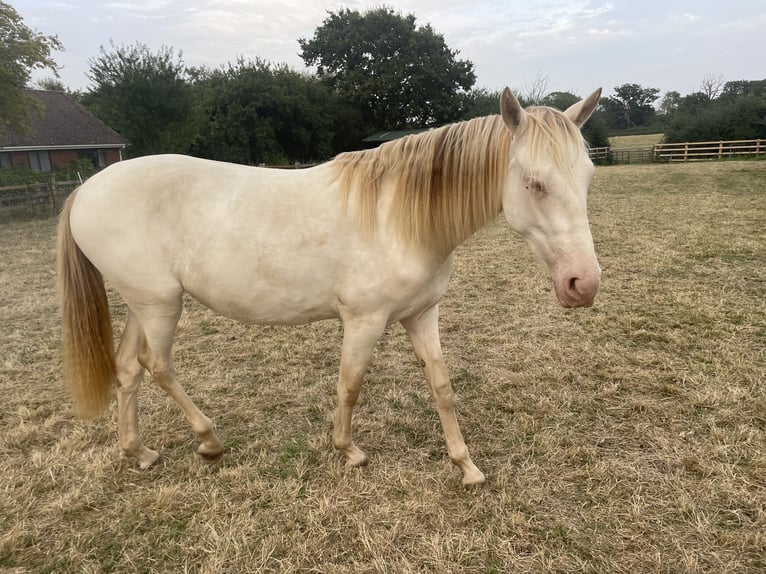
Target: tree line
719	110
372	71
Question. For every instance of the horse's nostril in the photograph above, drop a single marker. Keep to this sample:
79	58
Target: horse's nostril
572	285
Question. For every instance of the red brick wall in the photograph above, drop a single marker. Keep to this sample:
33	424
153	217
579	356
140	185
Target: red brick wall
19	159
62	157
112	156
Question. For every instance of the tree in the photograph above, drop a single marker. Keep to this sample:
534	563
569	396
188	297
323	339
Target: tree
145	96
670	102
21	51
253	113
630	106
559	100
396	74
594	131
534	92
481	102
738	113
51	85
712	85
732	90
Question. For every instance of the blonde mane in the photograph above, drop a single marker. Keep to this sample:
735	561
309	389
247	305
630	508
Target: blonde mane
447	182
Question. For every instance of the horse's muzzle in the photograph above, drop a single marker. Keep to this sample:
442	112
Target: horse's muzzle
577	290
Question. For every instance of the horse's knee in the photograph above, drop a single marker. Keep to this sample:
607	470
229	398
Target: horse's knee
164	377
129	374
160	369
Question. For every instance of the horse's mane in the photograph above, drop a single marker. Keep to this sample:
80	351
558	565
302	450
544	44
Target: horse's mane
447	182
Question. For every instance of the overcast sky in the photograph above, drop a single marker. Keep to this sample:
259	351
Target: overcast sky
576	45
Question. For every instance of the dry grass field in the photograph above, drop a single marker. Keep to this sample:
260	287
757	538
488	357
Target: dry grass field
638	141
626	438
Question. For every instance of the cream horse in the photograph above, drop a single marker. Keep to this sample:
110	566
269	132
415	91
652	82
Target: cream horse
367	238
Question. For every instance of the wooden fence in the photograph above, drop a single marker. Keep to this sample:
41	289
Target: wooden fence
688	151
40	199
696	151
622	155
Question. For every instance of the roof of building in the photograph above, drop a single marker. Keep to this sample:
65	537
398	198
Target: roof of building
61	123
390	135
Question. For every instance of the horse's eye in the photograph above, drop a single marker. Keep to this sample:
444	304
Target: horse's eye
535	185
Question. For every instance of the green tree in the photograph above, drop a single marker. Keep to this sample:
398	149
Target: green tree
398	75
630	106
51	85
145	96
738	113
21	51
594	131
670	102
481	102
560	100
253	113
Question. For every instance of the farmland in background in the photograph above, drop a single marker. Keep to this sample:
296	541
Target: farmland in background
635	141
626	438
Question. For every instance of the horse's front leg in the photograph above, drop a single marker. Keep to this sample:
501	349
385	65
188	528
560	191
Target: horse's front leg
359	338
424	334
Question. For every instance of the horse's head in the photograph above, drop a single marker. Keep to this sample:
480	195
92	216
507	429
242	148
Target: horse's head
545	198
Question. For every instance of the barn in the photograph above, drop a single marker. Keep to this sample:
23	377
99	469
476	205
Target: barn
61	132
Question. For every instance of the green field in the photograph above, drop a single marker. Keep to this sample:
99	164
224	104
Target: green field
626	438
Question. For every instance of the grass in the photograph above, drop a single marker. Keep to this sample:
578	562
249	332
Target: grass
636	141
624	438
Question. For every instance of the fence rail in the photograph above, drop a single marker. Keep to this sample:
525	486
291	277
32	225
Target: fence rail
676	152
696	151
34	198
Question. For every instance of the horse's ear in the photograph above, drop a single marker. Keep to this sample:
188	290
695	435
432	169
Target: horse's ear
511	110
581	111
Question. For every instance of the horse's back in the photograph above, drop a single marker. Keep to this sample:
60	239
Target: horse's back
260	245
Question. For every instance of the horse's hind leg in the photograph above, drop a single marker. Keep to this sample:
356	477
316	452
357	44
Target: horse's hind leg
129	376
158	322
424	334
359	338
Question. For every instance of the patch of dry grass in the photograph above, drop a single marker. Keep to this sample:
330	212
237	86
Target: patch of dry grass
625	438
636	141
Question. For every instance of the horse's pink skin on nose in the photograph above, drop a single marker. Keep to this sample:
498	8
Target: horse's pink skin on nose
577	290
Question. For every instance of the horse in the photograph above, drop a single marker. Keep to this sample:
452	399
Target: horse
367	237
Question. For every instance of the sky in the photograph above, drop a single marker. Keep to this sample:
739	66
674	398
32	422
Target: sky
569	45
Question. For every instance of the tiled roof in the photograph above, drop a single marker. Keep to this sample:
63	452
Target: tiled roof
61	123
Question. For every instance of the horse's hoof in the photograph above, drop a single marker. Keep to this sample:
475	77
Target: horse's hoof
148	459
482	486
211	459
474	480
356	457
358	462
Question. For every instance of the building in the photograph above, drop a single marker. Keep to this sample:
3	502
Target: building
61	132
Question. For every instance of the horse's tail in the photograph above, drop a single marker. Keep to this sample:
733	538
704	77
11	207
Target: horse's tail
89	366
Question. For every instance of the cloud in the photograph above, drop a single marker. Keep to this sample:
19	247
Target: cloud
685	17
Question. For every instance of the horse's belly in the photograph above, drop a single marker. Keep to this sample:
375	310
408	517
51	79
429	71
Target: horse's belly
264	309
265	296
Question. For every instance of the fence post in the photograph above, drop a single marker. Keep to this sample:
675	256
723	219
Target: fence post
720	150
686	151
52	194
